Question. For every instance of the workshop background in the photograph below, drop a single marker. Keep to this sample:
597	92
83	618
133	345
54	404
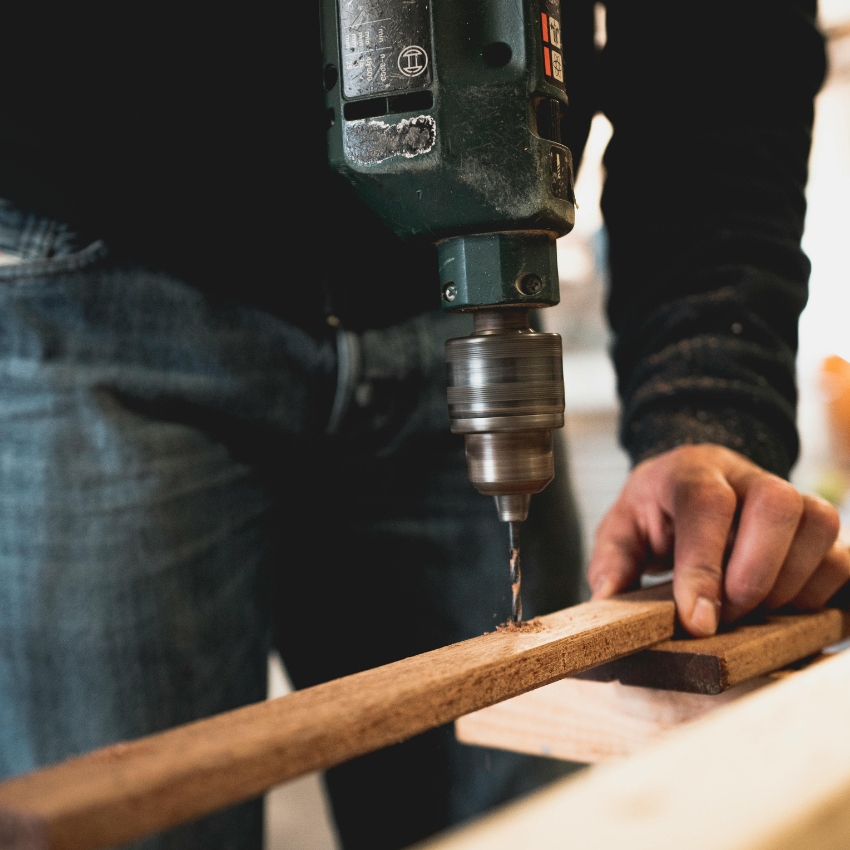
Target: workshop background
297	814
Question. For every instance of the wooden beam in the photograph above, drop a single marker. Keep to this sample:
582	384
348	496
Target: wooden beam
586	721
129	790
770	771
714	664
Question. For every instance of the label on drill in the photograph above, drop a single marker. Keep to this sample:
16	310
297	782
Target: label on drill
553	53
386	46
561	173
370	142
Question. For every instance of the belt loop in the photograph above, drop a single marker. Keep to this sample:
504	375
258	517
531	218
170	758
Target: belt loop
347	377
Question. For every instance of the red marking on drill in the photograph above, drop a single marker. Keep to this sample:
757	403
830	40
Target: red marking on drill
547	62
544	19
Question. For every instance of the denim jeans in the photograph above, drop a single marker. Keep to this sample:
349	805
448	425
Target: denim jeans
186	482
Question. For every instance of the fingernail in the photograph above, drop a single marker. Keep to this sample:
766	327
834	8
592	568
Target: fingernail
604	588
705	616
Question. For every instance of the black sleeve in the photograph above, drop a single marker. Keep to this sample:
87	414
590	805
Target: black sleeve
712	109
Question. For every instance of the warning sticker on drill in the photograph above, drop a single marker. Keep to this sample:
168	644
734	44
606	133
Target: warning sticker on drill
550	30
386	46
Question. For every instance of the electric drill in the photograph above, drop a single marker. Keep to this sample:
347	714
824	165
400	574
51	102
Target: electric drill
445	117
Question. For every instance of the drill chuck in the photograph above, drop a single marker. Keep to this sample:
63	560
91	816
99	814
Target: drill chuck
506	394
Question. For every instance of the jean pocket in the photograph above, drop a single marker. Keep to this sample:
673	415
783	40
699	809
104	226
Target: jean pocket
42	267
35	246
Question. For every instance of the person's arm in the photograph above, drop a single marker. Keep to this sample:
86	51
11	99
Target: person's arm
712	109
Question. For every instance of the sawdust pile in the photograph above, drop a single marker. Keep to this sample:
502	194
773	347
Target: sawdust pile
527	627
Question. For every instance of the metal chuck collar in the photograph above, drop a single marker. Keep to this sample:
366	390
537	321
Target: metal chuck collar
506	394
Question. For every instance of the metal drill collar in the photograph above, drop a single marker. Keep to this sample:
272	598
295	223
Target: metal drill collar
509	374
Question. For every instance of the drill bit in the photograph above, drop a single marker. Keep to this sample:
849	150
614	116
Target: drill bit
516	574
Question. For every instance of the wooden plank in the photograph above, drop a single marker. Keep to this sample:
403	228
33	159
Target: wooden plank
129	790
712	665
587	721
770	771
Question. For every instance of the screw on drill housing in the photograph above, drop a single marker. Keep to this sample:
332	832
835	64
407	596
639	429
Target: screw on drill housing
530	284
449	292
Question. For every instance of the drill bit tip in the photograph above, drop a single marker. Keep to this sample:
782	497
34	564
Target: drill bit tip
516	573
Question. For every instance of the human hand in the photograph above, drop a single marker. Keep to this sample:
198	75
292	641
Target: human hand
736	537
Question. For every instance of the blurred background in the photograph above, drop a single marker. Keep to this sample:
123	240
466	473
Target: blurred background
297	814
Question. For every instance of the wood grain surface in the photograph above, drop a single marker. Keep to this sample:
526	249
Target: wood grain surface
130	790
770	771
585	721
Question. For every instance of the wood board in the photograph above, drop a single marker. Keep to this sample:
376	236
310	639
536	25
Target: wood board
770	771
712	665
129	790
585	721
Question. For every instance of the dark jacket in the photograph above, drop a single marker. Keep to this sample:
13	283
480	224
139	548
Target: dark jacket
197	143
